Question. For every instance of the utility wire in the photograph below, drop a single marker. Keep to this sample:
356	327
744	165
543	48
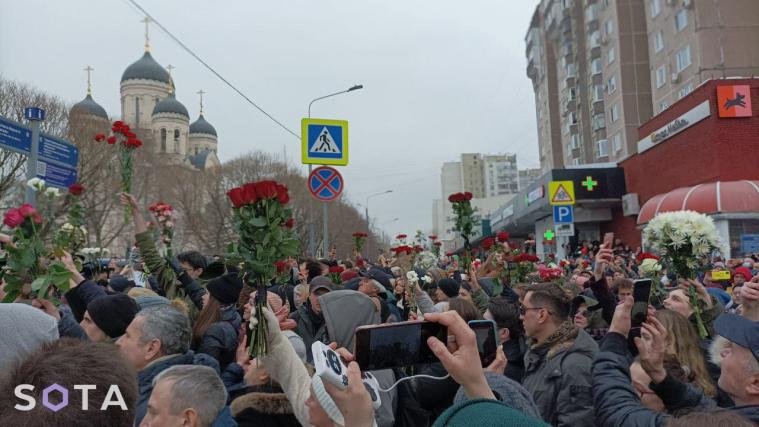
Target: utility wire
205	64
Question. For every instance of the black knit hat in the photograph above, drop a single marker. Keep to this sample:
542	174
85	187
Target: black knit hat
449	287
113	313
225	289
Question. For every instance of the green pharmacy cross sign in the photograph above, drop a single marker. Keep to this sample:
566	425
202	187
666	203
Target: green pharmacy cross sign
549	234
589	183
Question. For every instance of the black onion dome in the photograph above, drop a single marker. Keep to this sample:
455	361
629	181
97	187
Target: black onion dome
171	105
202	126
146	68
90	107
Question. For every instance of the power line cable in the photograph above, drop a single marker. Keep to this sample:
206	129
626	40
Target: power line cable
211	69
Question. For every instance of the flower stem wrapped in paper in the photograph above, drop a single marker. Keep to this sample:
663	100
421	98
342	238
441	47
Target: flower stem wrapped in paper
264	228
685	239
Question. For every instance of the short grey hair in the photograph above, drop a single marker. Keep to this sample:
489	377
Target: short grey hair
197	387
169	326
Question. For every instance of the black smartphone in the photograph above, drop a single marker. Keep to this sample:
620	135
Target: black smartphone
487	341
396	345
641	293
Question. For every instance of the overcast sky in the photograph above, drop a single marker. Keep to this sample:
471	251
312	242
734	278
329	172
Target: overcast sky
440	77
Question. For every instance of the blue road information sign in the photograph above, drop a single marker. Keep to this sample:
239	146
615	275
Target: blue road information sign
563	214
324	142
34	113
58	150
325	183
15	137
55	175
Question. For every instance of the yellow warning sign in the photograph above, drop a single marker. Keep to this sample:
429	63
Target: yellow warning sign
561	193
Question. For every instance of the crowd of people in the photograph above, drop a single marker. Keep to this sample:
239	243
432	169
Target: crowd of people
172	334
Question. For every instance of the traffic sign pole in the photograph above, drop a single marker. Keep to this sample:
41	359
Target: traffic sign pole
325	230
31	161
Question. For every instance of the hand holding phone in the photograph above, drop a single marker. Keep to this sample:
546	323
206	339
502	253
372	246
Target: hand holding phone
487	342
396	345
641	294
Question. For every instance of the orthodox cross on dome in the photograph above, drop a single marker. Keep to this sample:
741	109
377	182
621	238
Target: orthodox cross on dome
89	69
171	80
201	92
146	21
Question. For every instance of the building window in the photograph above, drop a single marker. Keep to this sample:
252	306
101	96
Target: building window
137	110
595	66
616	142
611	84
602	147
163	140
176	140
683	58
609	27
659	41
681	20
661	76
614	113
684	91
610	56
655	8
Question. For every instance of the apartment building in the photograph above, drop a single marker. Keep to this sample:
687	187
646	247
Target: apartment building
691	41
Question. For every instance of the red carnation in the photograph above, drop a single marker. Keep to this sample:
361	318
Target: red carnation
290	223
438	244
117	126
488	243
130	134
13	218
27	210
281	266
111	140
401	236
432	237
76	189
503	236
100	137
337	269
237	196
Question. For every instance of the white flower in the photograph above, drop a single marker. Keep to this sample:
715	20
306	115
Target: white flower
412	276
67	227
427	279
52	192
84	230
169	224
36	184
649	265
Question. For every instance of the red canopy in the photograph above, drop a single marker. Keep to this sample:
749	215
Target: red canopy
713	197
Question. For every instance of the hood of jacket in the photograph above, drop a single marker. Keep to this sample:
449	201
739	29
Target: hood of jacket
344	311
230	314
583	344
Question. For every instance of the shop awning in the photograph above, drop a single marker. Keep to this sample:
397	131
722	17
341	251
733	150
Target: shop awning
713	197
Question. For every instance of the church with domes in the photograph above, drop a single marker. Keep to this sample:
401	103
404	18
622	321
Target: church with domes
149	105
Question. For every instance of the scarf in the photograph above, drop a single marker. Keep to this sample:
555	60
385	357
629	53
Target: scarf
563	336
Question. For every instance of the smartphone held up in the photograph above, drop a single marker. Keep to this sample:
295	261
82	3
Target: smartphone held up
396	345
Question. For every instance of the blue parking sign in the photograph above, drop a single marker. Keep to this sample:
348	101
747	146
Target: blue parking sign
563	214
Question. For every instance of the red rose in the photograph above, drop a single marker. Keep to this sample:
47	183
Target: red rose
237	196
467	196
249	193
13	218
100	137
37	218
401	236
418	249
267	189
117	126
76	189
111	140
432	237
130	134
503	236
27	210
282	194
132	143
438	244
336	269
449	254
488	243
290	223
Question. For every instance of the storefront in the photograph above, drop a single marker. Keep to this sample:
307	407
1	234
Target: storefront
700	154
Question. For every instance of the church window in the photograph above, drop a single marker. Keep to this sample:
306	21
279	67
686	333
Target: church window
137	110
176	140
163	140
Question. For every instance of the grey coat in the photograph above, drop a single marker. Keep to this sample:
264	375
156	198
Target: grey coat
560	382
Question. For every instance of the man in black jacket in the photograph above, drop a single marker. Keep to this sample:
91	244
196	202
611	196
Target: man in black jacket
618	404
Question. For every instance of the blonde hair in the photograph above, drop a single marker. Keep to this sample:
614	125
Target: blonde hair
682	342
141	292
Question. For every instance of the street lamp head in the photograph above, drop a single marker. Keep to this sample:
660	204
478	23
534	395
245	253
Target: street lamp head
355	87
388	191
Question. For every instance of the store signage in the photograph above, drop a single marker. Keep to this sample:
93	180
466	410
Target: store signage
676	126
534	195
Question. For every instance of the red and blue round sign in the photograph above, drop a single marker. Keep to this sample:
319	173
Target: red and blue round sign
325	183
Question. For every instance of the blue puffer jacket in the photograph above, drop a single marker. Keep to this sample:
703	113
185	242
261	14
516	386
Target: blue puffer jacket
145	376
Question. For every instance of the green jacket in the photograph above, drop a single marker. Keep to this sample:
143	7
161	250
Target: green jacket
480	300
174	286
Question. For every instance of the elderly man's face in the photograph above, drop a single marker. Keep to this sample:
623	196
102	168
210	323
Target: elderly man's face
367	287
159	414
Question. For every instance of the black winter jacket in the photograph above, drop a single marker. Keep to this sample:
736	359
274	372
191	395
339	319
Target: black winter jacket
221	339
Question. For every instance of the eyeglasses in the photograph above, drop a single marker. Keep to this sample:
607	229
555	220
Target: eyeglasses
523	309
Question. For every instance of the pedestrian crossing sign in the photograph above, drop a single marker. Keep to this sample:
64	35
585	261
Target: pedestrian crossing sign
324	142
561	193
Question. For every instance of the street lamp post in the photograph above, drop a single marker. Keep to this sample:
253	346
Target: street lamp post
368	227
325	216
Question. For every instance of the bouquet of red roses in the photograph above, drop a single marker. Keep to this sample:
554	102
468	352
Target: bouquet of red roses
334	273
127	143
25	260
359	239
264	226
